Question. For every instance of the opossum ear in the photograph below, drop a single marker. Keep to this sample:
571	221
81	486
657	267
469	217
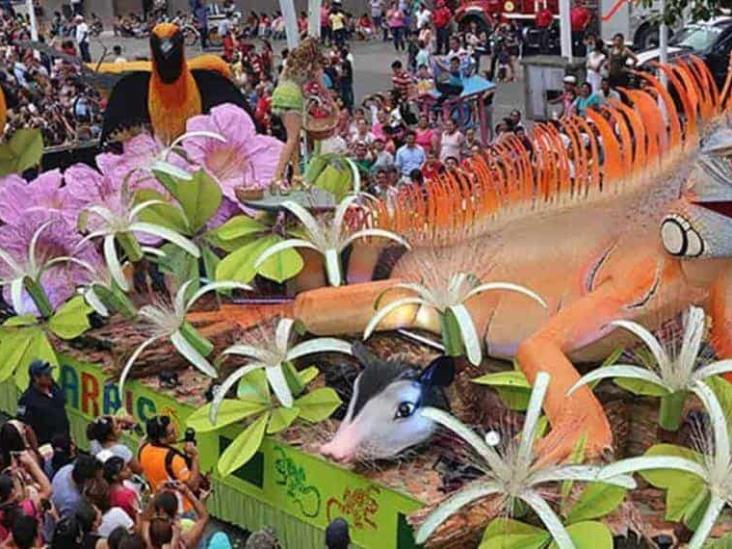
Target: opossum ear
439	373
363	354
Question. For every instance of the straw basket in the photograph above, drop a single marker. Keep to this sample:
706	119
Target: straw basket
320	127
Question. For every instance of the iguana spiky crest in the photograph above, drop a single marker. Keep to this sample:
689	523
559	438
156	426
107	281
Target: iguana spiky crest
618	149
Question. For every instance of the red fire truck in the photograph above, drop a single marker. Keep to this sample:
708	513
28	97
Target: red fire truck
480	11
636	20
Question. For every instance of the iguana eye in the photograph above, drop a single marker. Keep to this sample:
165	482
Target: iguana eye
679	238
405	409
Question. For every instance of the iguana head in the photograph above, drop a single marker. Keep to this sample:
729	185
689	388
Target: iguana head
700	224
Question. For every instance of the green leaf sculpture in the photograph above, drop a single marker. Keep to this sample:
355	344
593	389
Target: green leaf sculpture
26	338
22	151
270	365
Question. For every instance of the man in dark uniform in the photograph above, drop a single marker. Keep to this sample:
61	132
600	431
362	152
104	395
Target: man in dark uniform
41	406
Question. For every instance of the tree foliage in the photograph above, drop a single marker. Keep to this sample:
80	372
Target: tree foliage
678	11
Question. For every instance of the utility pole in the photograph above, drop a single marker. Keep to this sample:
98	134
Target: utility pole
565	28
314	17
287	7
663	41
32	18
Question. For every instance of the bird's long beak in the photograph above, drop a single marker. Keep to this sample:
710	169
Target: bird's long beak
167	48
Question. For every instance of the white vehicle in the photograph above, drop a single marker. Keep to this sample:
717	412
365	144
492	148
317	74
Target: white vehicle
637	23
710	40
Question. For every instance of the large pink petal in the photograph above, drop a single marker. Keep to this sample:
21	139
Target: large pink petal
233	123
229	121
14	198
107	162
142	146
83	183
48	183
262	153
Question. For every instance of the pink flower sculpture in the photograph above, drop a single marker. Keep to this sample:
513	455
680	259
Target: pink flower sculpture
58	240
45	194
88	187
246	159
138	155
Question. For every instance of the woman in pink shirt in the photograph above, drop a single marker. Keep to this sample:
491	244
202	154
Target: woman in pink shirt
116	472
426	136
377	127
325	34
395	20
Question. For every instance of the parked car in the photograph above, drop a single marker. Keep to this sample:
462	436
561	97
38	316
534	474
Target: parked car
710	40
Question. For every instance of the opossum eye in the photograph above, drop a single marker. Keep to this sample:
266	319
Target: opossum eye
405	409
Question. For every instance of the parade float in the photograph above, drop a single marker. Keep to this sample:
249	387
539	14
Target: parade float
410	365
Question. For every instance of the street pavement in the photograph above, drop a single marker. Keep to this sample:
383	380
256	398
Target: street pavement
372	68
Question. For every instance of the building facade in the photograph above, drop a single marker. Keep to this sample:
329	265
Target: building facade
107	9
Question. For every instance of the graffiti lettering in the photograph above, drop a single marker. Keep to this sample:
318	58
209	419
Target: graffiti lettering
292	476
359	505
88	394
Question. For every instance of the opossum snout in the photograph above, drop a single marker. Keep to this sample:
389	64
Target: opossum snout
337	452
343	446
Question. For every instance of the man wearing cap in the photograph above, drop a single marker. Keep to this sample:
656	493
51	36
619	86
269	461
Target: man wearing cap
568	95
41	406
82	38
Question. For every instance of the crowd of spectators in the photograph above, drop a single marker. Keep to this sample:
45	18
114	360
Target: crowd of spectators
44	91
417	127
53	495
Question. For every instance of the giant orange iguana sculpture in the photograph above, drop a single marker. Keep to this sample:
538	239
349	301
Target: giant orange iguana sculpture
639	236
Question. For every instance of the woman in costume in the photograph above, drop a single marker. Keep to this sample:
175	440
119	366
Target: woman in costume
303	65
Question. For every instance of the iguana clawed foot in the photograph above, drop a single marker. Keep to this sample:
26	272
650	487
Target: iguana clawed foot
564	438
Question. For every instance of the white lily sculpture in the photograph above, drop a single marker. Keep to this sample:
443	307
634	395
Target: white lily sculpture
273	355
121	227
101	292
675	374
715	471
513	474
162	164
329	238
25	274
168	320
448	296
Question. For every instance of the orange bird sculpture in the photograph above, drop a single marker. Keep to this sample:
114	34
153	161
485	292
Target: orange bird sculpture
165	97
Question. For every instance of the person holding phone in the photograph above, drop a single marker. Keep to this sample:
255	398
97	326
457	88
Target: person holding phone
24	492
161	524
104	440
161	461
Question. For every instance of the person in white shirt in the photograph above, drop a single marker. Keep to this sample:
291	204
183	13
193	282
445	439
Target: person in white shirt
362	133
20	71
451	141
82	38
334	144
423	17
382	158
594	65
118	57
377	15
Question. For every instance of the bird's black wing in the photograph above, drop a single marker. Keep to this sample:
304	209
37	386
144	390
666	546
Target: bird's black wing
11	100
127	105
216	89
